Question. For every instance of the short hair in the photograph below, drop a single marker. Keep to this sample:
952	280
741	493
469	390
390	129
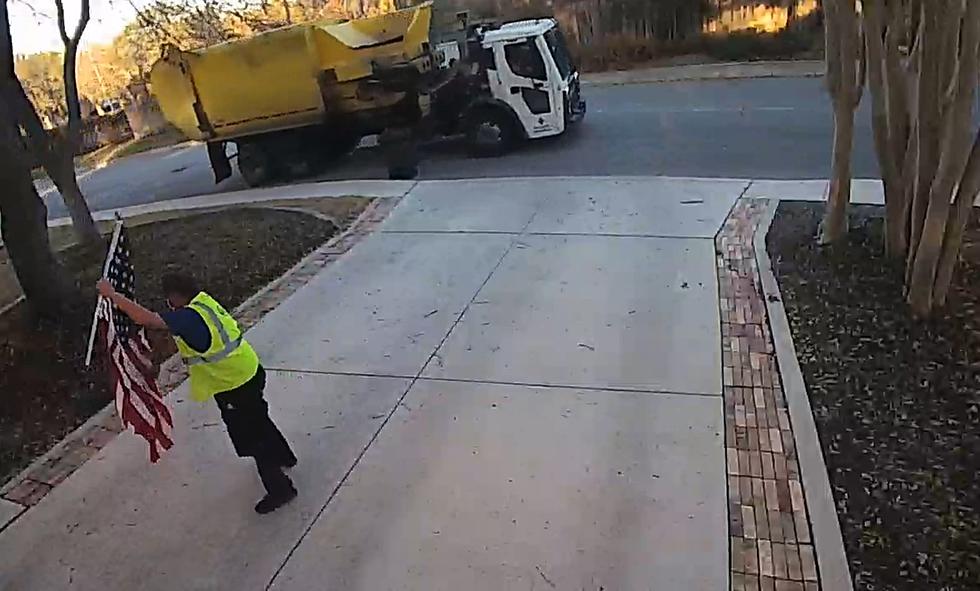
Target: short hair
180	284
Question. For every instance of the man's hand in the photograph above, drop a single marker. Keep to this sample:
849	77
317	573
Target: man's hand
105	288
136	312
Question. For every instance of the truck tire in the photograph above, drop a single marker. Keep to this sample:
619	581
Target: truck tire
490	132
254	163
340	143
401	154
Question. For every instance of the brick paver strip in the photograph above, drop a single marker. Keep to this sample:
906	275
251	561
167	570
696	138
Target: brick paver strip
768	525
27	492
28	488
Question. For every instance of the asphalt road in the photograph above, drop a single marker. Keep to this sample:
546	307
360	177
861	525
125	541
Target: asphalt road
763	128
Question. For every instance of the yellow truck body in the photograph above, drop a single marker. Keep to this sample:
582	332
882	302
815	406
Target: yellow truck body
287	78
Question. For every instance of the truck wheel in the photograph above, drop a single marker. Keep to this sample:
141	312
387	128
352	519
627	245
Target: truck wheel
341	144
490	132
401	153
254	164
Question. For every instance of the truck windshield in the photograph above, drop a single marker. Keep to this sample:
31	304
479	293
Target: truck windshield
556	43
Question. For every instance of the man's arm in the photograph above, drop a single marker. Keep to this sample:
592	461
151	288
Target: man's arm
136	312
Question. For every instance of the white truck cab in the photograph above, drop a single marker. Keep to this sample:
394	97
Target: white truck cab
523	84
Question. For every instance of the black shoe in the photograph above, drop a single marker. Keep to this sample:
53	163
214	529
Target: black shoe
270	503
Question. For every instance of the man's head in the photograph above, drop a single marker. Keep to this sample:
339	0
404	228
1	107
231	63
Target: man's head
179	289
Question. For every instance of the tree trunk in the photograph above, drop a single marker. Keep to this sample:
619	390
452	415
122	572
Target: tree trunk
898	87
56	156
957	105
923	127
881	97
59	162
60	166
23	216
842	36
929	128
24	226
966	196
71	88
834	224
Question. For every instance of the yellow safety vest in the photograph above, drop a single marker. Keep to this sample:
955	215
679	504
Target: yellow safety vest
229	363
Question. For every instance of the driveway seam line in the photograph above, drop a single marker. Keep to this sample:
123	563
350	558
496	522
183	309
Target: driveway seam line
543	386
333	493
392	412
557	234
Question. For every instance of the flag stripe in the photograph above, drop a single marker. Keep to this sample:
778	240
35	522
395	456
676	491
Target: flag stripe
138	399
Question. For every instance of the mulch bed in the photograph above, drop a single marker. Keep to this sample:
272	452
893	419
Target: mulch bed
896	401
46	392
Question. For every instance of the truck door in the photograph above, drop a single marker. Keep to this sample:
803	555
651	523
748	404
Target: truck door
528	88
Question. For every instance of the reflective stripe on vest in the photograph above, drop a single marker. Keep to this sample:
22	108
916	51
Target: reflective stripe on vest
228	345
228	362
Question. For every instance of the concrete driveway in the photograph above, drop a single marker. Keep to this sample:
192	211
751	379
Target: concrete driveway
514	385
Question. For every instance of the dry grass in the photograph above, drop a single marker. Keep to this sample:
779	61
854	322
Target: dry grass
342	210
622	52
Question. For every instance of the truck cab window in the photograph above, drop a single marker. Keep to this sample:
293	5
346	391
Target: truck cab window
559	51
483	56
525	60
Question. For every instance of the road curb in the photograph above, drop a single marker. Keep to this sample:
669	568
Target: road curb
704	72
829	543
358	188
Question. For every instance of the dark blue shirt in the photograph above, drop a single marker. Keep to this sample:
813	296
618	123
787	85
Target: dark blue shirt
188	325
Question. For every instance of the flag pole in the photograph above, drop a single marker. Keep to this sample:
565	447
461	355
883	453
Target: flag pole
101	301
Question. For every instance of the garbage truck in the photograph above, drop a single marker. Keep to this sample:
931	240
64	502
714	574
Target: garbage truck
292	99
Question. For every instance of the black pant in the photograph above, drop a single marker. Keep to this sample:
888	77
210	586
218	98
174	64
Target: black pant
246	414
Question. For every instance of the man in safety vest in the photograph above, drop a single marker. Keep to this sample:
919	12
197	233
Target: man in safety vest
223	366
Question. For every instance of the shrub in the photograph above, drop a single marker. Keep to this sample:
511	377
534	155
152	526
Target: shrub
623	51
749	46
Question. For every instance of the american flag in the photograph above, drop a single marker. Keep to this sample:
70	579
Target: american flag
131	373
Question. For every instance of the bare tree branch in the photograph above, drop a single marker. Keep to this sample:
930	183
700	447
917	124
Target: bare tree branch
862	73
966	196
156	25
83	19
62	27
38	14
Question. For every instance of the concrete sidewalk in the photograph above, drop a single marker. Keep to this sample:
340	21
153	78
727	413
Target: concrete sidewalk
515	384
863	191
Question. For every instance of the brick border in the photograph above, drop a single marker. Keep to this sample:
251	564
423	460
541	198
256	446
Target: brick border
38	479
769	528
